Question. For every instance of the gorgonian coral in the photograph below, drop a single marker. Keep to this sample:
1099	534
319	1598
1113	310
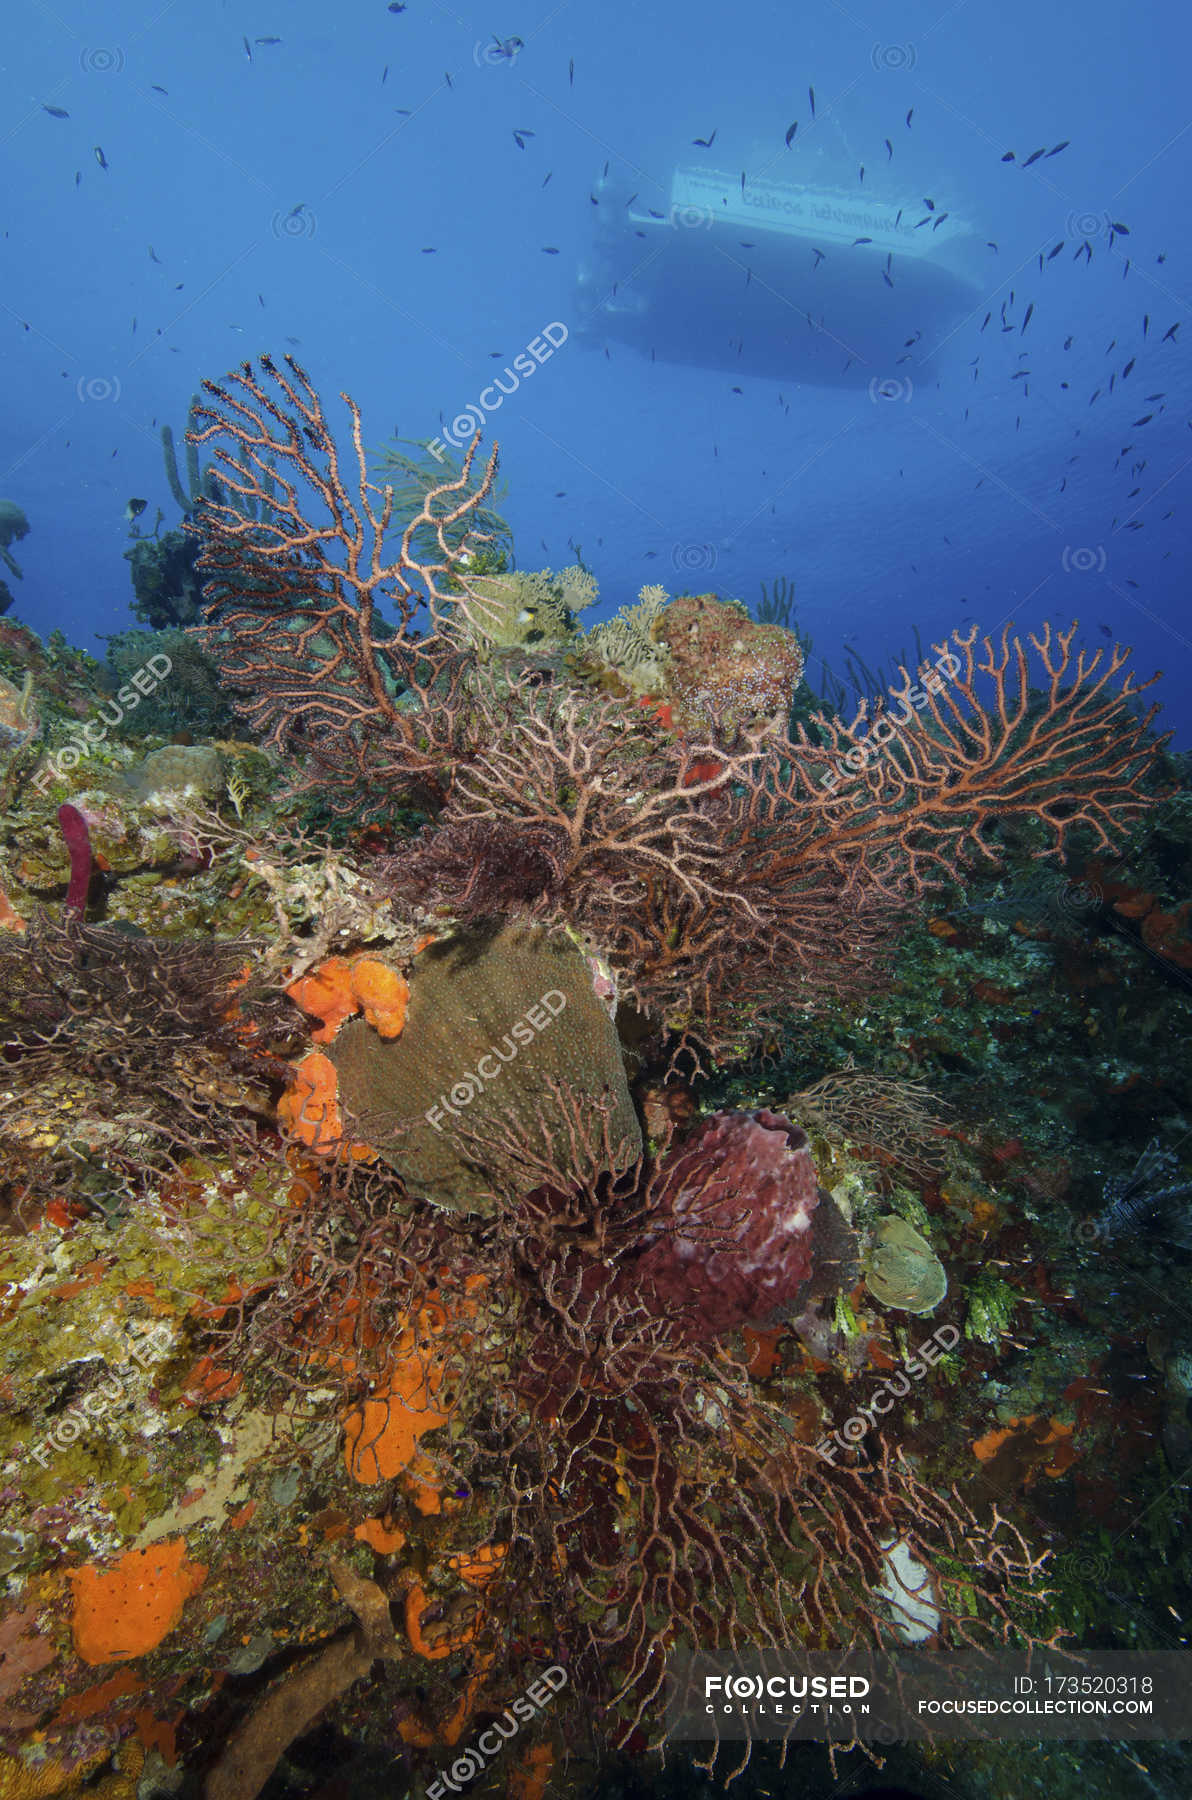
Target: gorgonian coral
726	870
120	1050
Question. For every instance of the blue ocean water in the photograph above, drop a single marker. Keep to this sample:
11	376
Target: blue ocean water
405	197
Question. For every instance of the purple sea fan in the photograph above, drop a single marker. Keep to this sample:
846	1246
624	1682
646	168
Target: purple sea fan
738	1203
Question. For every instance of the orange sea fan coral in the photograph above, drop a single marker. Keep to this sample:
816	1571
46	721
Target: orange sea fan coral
126	1610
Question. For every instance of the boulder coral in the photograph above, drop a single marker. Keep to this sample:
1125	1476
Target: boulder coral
495	1020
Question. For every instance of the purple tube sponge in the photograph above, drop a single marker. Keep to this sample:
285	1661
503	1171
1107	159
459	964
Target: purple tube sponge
78	842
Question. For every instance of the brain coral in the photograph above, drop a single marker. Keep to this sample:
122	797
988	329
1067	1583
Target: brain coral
494	1020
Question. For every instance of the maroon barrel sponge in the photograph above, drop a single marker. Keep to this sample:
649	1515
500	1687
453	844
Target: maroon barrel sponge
737	1201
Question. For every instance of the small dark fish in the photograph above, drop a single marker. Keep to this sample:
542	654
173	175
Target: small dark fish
396	6
910	115
990	245
742	181
925	220
862	173
1009	156
1146	320
549	250
267	40
811	97
1067	343
1034	157
706	143
1062	145
1156	396
1122	230
857	241
100	158
1145	420
986	320
447	78
889	150
1056	251
550	172
1127	368
78	176
247	48
519	138
738	390
293	340
160	90
1027	317
790	133
1171	331
939	219
929	204
886	279
571	73
135	508
819	257
745	246
260	299
56	112
384	74
1105	630
898	219
153	256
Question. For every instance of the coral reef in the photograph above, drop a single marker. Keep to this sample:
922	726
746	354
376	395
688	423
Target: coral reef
383	1341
